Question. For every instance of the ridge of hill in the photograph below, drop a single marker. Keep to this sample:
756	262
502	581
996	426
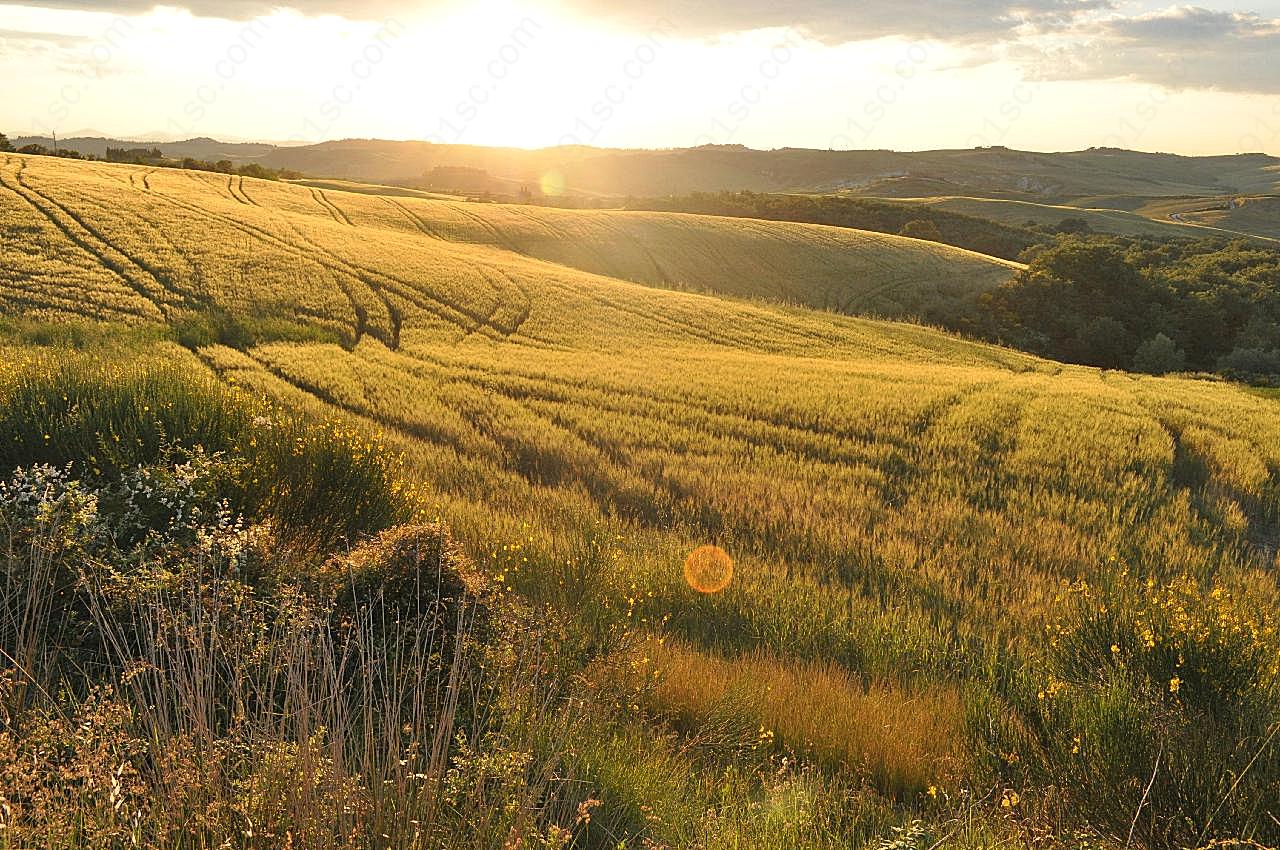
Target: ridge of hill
988	172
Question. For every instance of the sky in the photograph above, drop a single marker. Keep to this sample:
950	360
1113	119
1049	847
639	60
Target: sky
901	74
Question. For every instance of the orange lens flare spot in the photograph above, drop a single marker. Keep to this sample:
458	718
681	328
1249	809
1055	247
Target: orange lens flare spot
708	569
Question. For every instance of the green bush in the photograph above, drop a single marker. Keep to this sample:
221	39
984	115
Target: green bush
1159	356
319	483
1155	714
220	327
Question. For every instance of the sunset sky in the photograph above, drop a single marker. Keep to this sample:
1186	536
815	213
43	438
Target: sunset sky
904	74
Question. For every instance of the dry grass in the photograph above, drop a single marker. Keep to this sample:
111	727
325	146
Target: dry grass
902	740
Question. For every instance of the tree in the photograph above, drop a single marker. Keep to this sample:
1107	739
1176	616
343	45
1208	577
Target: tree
1104	342
921	229
1074	225
1250	363
5	147
1159	356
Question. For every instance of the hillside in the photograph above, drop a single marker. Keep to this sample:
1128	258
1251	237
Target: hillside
1118	222
1255	215
963	576
1052	178
354	263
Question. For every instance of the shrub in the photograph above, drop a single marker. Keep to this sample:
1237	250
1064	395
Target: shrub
1159	356
206	707
1155	714
318	482
1250	363
403	565
920	229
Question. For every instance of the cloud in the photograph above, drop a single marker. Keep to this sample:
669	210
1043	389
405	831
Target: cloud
842	21
235	10
830	21
56	38
1182	47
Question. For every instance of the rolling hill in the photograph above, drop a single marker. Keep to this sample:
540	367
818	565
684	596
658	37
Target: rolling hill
995	172
157	244
1254	215
1118	222
911	514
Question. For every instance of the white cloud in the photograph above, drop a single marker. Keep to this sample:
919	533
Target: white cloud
1184	47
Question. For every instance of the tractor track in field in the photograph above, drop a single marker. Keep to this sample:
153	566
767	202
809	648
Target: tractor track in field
505	286
19	298
501	239
684	328
609	396
237	191
244	194
413	217
557	407
372	278
564	237
231	189
417	431
83	236
380	283
663	277
361	314
394	315
322	200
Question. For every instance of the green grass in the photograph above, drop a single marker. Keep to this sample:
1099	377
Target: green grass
324	482
905	508
1116	222
1251	216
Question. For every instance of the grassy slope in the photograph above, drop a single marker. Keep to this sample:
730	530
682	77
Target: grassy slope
1259	216
901	503
359	263
1101	220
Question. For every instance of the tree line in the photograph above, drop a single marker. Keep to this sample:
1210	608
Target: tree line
156	158
1142	304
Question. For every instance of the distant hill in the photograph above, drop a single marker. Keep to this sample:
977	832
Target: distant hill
1259	219
202	148
1054	178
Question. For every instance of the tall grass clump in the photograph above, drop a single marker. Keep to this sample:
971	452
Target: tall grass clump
171	676
321	482
1154	714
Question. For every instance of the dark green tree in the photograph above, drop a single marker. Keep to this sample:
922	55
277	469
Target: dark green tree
1159	356
921	229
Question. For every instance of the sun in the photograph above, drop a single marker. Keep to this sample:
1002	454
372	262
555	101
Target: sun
708	569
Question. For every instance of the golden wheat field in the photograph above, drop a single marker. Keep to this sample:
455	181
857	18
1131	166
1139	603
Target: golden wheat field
904	508
150	244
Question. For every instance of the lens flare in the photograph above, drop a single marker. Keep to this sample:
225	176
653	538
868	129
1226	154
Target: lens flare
708	569
552	184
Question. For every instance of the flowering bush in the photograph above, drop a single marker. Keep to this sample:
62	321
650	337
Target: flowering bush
1155	712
